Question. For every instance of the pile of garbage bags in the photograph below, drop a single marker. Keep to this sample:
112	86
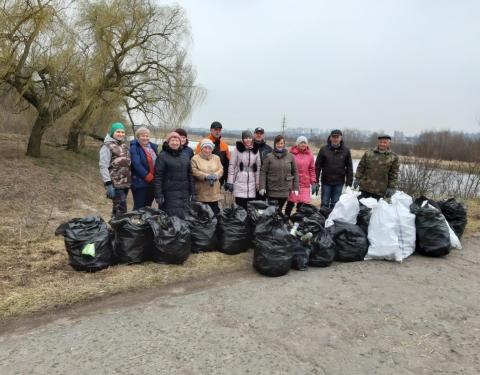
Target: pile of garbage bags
355	230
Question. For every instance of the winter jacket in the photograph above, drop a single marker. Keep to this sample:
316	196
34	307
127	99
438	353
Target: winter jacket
278	174
334	164
306	174
244	171
174	180
187	150
201	168
377	171
221	149
140	165
115	163
264	149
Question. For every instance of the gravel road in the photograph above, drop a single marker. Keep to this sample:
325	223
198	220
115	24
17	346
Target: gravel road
419	317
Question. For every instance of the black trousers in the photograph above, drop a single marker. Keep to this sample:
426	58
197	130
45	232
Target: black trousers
242	202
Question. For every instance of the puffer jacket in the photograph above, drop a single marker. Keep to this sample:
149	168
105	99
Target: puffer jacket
201	168
244	170
377	171
174	180
222	151
306	174
264	149
278	175
334	165
115	163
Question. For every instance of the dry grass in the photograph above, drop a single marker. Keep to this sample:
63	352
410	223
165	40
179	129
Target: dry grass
37	196
473	224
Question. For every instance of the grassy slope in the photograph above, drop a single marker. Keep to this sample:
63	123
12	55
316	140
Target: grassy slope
37	196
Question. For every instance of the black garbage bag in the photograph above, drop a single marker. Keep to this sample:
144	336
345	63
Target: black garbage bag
88	243
301	254
257	208
233	230
433	236
363	217
273	246
171	237
133	241
325	211
456	214
351	244
306	210
203	225
323	249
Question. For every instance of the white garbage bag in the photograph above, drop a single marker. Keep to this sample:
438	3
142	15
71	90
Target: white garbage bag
346	209
391	231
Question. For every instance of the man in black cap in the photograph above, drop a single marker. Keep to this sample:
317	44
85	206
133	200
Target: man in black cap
221	148
259	139
377	172
334	164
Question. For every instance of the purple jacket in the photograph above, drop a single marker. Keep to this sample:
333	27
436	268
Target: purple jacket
244	171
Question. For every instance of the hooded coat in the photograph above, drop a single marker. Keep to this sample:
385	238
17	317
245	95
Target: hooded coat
115	163
173	180
306	174
278	175
244	170
334	165
140	167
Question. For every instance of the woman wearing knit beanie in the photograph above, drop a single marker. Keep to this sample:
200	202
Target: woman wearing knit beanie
143	154
207	169
115	167
244	170
173	179
306	174
279	177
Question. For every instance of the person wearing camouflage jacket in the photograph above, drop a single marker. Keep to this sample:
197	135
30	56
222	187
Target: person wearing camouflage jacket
115	168
377	172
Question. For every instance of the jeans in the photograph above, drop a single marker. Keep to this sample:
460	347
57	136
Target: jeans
119	202
331	194
143	197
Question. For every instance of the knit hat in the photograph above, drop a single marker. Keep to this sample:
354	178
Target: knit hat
116	126
301	139
206	142
172	135
247	134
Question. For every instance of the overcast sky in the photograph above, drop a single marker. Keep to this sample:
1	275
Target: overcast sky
386	65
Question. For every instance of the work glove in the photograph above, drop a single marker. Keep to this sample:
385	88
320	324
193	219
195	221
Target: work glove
211	178
389	192
262	192
229	187
110	192
160	200
315	189
355	184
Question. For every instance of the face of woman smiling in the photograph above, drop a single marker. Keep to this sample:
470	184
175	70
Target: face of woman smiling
280	144
174	143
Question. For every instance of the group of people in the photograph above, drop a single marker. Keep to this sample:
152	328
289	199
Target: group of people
176	175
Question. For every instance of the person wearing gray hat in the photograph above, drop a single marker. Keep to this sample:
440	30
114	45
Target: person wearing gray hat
377	172
334	168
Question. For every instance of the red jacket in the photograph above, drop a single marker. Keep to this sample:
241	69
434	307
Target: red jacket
306	174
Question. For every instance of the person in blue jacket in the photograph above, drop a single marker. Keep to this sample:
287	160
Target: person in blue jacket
143	154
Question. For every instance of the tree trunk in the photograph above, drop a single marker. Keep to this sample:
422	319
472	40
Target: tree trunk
35	139
73	136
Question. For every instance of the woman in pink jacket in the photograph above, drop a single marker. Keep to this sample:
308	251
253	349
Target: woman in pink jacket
306	175
244	170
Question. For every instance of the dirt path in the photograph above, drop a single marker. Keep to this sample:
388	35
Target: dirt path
419	317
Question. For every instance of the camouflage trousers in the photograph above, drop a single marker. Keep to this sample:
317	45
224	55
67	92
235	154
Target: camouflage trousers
119	202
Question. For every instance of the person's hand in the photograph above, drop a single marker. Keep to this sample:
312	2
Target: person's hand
295	192
149	177
315	189
355	184
389	192
262	192
229	187
160	200
211	178
110	192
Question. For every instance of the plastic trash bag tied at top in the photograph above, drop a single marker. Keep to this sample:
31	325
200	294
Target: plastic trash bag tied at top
203	227
88	243
233	230
350	240
456	214
346	209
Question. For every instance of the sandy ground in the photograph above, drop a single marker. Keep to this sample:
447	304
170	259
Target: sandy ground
419	317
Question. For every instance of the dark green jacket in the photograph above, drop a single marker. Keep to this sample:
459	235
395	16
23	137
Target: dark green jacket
278	174
377	171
